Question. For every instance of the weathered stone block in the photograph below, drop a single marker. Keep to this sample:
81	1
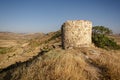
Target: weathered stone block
76	33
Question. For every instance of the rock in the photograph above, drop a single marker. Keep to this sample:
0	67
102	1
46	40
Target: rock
56	45
76	33
94	52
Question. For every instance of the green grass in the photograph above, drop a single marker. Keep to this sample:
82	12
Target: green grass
4	50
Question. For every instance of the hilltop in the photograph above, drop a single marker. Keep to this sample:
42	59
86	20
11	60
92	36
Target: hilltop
42	58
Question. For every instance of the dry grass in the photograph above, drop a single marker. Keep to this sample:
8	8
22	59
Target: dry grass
109	63
58	65
69	64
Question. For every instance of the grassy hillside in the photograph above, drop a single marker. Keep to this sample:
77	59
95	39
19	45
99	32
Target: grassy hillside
54	63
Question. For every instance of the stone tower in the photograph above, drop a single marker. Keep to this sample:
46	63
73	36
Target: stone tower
76	33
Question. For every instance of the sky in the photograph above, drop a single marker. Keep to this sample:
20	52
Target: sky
30	16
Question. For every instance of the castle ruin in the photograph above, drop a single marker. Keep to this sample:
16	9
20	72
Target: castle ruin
76	33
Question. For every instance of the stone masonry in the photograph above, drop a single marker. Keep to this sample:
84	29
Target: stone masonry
76	33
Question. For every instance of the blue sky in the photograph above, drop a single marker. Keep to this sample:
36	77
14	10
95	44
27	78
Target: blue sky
48	15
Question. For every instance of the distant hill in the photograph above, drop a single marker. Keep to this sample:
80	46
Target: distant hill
11	35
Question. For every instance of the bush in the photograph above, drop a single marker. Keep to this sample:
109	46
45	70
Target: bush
102	41
101	30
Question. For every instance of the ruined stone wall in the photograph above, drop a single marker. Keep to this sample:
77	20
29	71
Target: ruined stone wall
76	33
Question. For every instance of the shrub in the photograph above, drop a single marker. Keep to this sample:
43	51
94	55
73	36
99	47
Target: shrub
101	30
102	41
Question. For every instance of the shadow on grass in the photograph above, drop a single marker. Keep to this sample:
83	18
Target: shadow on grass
6	73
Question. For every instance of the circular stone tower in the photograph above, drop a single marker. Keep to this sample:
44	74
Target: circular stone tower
76	33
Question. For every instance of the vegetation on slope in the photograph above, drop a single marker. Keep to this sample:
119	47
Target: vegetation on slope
109	64
55	65
4	50
69	64
100	38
